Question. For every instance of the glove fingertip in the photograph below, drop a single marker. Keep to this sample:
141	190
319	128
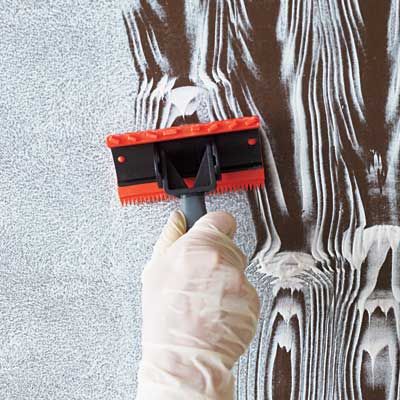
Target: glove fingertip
178	220
221	220
172	231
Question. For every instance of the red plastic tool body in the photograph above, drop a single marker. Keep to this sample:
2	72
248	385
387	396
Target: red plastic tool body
229	181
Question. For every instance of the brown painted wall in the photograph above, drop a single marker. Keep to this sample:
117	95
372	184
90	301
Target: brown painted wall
324	76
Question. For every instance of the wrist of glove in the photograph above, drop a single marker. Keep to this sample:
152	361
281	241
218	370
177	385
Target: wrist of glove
199	311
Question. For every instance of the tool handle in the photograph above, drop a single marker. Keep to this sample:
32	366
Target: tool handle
194	207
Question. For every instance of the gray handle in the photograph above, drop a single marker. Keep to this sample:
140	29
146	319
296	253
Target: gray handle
194	207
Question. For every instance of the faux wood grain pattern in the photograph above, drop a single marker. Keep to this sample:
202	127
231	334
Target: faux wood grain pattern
324	76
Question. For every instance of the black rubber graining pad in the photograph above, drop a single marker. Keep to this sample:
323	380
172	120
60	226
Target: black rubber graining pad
323	75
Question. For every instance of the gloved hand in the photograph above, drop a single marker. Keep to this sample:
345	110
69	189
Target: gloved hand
199	311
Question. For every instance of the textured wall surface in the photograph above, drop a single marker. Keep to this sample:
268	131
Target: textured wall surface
70	257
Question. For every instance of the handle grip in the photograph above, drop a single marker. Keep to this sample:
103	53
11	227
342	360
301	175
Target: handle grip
194	207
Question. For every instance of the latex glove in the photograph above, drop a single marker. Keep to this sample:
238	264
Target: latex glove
199	311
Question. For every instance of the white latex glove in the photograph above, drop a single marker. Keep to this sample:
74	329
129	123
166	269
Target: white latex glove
199	311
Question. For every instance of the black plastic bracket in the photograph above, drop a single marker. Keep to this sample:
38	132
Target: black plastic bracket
170	179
